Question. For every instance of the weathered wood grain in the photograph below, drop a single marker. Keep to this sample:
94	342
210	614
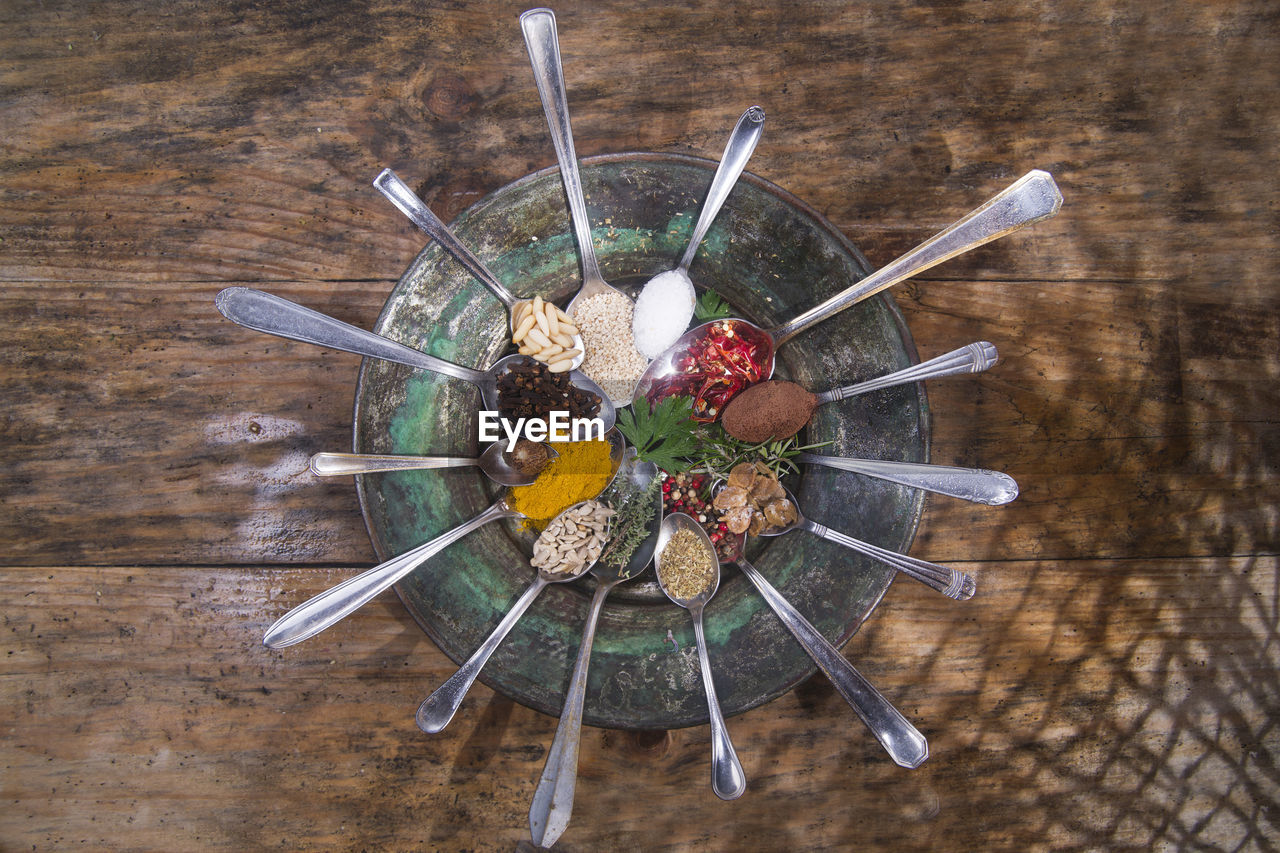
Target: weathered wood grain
143	712
1113	684
176	151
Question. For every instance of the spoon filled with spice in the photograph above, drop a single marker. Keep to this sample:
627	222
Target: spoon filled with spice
632	540
689	573
949	582
580	472
568	547
666	302
904	743
553	345
602	312
715	361
274	315
518	467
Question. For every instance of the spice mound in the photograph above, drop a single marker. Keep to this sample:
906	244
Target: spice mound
686	567
528	389
662	312
604	321
579	473
544	332
725	358
573	540
753	501
528	457
769	411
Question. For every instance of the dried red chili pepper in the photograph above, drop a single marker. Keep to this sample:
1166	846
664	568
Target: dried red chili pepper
716	368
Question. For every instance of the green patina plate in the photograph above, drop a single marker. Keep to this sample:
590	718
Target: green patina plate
771	257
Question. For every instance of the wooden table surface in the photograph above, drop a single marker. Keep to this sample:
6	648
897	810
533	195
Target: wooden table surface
1113	685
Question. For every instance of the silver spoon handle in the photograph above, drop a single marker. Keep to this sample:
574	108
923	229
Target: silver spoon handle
971	358
904	743
1031	198
438	709
314	615
979	485
949	582
399	194
274	315
338	464
539	28
742	142
727	779
553	800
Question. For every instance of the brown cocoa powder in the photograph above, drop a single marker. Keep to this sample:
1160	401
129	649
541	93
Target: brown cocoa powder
771	410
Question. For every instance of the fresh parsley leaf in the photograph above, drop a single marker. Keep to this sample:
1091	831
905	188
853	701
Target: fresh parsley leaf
663	434
710	307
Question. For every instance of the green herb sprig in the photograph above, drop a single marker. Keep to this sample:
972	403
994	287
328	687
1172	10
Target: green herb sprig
631	526
663	434
711	307
720	452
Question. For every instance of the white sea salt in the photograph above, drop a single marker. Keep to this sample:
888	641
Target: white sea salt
662	312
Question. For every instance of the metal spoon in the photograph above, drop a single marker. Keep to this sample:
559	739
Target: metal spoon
971	358
727	779
904	743
329	607
553	800
742	142
979	485
265	312
493	462
399	194
539	28
438	709
949	582
1031	198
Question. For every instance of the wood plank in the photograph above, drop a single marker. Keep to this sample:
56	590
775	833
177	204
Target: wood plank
151	154
144	713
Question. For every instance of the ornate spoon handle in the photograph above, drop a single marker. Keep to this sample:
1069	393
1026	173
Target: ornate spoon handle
742	142
399	194
314	615
1029	199
438	709
904	743
972	358
971	484
727	779
338	464
949	582
553	800
539	28
274	315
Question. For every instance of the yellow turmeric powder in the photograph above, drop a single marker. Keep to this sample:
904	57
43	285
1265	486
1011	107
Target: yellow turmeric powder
579	473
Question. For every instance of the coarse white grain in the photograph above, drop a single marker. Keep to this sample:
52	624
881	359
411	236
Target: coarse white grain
604	321
662	312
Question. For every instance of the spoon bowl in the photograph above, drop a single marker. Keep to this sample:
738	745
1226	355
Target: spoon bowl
493	463
1030	199
727	779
